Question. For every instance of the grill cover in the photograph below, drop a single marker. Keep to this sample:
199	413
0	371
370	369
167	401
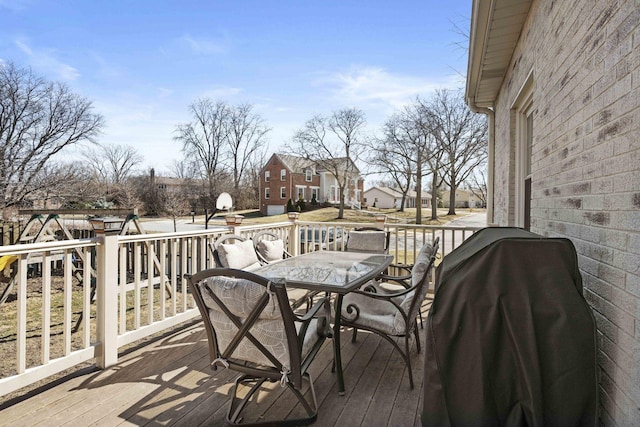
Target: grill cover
510	339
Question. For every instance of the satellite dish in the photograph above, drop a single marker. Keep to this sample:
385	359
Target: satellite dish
224	202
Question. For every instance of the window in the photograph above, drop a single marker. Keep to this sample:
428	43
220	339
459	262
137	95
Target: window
267	176
523	111
266	193
315	193
300	191
283	192
283	174
308	174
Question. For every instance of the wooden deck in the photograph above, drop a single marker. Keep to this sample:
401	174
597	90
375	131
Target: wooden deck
169	382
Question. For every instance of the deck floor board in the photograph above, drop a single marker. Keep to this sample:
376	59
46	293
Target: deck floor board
169	382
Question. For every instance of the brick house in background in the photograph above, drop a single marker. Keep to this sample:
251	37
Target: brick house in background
286	177
560	84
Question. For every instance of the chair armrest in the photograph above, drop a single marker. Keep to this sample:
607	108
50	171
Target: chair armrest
407	267
323	328
324	301
401	280
383	296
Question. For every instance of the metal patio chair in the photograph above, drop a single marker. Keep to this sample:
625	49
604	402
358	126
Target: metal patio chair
252	329
368	239
233	251
269	246
392	315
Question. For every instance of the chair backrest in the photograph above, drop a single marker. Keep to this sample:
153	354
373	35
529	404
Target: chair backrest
249	323
233	251
368	239
419	282
269	247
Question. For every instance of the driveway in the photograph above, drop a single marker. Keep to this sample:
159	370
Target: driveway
478	219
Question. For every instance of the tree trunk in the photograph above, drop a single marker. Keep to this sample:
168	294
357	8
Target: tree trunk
419	189
341	204
452	201
434	198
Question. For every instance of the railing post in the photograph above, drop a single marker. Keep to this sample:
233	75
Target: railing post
107	298
294	233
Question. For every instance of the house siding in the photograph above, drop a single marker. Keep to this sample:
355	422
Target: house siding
585	59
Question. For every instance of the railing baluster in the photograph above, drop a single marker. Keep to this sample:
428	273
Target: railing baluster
87	288
150	282
46	307
122	286
137	261
183	271
21	332
68	309
173	274
163	283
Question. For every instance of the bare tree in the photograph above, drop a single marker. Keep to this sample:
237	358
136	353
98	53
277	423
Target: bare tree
203	139
113	167
113	164
67	184
38	119
461	134
333	143
247	135
393	156
478	184
250	194
435	160
412	145
184	169
174	203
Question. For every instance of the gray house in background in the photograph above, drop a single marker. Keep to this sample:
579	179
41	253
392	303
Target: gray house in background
560	84
391	198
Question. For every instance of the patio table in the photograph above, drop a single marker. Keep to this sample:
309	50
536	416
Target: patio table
329	271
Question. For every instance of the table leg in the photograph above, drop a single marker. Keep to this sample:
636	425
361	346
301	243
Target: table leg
336	344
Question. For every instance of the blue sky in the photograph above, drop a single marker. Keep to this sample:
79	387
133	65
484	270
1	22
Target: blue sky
143	62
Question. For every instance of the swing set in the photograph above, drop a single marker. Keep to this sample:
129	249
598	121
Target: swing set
41	228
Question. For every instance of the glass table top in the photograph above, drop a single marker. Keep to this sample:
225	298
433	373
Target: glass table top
327	270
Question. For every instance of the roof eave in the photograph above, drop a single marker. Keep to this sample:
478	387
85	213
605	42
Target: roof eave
484	77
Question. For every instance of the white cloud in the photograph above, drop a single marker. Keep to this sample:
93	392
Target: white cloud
46	61
222	93
15	4
373	87
164	92
145	124
203	46
105	68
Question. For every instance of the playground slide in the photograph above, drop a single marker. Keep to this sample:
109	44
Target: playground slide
6	261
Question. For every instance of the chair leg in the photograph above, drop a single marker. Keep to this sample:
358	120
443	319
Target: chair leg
237	405
354	335
408	359
417	335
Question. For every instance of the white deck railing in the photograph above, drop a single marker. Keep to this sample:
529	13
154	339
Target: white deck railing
78	300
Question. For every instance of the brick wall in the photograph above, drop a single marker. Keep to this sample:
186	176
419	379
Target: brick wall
585	57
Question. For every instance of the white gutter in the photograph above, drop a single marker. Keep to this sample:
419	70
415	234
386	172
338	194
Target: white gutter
489	112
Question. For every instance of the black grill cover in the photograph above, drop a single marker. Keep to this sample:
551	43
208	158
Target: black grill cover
510	339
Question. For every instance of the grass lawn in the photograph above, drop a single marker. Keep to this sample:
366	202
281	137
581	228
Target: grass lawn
331	215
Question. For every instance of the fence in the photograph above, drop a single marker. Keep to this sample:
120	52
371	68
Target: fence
72	301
